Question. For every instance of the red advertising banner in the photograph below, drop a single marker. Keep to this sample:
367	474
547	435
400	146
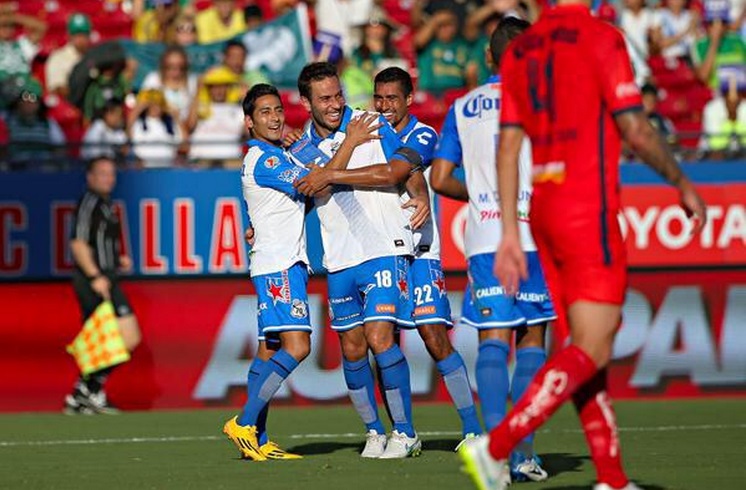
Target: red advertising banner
682	336
657	230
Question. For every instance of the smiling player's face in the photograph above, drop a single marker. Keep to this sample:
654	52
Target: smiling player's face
327	104
391	102
268	119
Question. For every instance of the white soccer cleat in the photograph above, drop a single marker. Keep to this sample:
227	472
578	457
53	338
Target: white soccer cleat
486	472
468	436
606	486
401	446
531	470
375	445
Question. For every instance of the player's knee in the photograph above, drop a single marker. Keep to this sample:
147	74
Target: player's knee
354	347
379	339
298	350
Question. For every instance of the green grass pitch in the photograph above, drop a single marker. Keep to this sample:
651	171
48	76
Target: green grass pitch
667	445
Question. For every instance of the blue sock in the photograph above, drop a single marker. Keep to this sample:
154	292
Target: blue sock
261	423
269	377
527	362
361	388
454	374
492	381
395	376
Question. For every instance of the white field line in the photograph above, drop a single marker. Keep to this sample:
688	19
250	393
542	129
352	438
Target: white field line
341	435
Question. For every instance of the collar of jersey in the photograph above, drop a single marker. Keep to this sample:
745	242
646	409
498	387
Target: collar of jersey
346	116
409	127
263	145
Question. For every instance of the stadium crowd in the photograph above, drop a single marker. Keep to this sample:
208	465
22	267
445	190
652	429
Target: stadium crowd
69	91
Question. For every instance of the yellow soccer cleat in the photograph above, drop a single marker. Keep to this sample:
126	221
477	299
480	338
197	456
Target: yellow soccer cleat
272	451
245	439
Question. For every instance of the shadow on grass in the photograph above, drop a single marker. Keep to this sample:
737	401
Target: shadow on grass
447	445
558	463
326	447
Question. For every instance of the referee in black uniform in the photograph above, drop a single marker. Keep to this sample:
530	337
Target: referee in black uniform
98	260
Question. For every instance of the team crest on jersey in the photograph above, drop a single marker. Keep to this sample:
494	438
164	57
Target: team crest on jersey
298	309
290	175
272	162
279	288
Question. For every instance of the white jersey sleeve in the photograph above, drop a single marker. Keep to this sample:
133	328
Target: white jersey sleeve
276	210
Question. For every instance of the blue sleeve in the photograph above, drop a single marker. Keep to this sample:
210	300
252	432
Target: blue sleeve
277	172
423	141
389	139
449	146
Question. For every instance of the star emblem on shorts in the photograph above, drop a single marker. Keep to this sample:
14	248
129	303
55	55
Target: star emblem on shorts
403	286
278	292
440	283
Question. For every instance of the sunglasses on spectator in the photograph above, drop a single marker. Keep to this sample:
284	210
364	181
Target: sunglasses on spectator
186	28
29	97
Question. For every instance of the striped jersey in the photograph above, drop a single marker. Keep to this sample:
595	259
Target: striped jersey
359	224
469	139
96	223
276	209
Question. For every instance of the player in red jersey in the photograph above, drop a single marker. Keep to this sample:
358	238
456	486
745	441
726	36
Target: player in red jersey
568	85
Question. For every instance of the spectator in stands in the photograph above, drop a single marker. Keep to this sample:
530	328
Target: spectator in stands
341	17
235	59
724	122
280	7
62	60
423	10
175	81
17	52
650	104
442	54
720	48
106	136
217	126
186	30
377	50
478	30
639	23
678	26
223	20
253	16
607	13
154	130
33	137
111	82
157	24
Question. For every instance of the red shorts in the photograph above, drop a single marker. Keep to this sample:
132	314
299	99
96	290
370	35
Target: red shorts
583	258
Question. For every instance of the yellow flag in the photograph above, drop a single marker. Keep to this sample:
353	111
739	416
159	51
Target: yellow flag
99	344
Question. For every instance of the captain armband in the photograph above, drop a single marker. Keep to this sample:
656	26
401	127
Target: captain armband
410	156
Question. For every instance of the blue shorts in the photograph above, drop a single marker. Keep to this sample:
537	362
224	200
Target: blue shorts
372	291
429	300
283	301
486	306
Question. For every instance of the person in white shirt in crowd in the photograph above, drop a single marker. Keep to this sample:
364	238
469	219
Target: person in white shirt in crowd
106	137
218	128
154	130
61	61
174	80
17	52
678	27
639	22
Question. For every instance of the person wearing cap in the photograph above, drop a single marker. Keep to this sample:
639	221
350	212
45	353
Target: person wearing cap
33	137
62	60
223	20
157	24
154	129
16	52
377	50
217	124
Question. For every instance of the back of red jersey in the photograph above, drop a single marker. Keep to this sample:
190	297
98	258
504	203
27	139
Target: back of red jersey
563	81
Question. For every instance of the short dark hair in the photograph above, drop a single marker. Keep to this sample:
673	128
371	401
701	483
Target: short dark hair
258	90
508	29
314	72
91	164
649	88
234	44
396	74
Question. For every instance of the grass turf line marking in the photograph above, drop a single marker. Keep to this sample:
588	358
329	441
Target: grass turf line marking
344	435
